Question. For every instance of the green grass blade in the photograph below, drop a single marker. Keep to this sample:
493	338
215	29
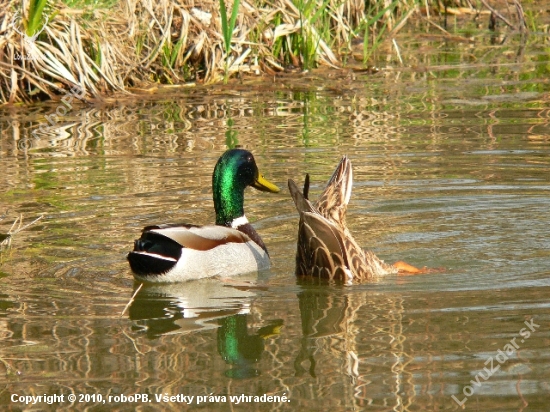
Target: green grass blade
226	35
377	17
234	13
36	8
228	26
175	52
321	11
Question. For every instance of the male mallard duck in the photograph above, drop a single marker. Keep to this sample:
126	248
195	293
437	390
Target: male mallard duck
326	248
173	253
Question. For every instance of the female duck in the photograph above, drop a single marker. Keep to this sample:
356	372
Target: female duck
326	248
173	253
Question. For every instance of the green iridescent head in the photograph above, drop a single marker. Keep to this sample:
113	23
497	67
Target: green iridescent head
235	170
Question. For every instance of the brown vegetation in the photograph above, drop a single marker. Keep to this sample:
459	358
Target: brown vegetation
137	43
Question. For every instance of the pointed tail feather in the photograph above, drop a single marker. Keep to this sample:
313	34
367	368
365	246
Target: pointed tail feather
334	200
301	202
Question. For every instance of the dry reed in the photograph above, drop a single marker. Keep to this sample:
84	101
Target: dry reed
134	44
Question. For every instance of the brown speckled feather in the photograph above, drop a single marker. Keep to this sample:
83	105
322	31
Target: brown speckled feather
326	248
333	202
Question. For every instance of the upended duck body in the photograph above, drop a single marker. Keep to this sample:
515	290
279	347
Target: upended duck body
174	253
326	248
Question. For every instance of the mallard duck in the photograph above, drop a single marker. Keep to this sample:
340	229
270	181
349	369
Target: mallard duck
173	253
326	248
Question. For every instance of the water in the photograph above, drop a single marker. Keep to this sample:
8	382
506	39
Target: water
450	173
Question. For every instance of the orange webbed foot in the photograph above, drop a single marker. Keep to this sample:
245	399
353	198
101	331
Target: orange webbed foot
404	269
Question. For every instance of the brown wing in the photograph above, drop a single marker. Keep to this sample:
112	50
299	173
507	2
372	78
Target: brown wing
201	237
356	258
321	250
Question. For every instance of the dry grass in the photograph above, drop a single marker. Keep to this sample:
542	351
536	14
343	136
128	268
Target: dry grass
137	43
16	227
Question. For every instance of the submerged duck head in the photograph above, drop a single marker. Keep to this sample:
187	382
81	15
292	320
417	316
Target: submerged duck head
236	169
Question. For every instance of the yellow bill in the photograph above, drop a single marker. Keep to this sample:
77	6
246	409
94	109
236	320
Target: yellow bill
261	183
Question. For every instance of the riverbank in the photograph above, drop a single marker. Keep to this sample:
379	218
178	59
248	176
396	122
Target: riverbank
50	49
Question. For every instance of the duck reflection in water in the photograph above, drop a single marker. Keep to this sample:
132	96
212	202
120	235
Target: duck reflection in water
201	305
240	349
323	315
358	334
170	308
